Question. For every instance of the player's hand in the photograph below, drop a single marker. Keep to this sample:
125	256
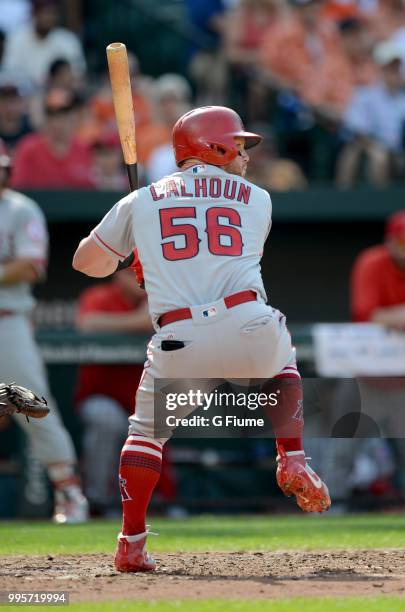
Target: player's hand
133	262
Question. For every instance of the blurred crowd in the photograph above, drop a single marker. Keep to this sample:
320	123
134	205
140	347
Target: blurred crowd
58	121
323	80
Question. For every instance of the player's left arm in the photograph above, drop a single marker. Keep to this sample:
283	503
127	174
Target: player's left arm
28	263
109	243
268	207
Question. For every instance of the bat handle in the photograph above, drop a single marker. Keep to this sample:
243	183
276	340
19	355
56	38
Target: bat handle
132	170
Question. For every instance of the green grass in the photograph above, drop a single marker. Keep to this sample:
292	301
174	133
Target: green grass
351	604
221	534
212	533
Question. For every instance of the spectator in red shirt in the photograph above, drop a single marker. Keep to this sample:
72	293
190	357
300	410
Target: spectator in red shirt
106	393
14	120
108	168
378	295
53	158
378	279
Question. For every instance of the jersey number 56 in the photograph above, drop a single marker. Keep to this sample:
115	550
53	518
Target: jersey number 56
213	229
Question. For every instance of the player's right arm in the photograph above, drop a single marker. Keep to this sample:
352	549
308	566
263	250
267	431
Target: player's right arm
99	253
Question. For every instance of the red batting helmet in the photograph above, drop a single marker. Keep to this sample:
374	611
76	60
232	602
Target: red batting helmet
208	133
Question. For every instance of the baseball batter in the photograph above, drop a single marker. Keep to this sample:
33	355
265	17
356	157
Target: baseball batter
23	254
200	234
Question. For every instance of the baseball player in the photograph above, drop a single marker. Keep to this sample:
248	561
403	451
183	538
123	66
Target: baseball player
23	252
200	234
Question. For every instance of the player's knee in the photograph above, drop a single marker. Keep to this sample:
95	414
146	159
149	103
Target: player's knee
139	428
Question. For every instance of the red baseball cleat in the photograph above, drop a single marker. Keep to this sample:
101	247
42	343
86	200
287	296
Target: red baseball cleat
131	555
295	477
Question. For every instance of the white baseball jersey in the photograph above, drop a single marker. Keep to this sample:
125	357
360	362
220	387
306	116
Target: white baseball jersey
200	236
23	234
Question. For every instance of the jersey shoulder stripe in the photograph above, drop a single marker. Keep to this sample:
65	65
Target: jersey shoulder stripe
98	240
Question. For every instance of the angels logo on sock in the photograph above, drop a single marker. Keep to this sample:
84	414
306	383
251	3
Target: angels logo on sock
125	496
299	414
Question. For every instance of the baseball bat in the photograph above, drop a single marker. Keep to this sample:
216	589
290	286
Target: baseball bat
117	58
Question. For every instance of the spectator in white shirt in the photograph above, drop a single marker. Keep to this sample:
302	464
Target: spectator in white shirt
172	97
375	120
14	14
30	50
398	39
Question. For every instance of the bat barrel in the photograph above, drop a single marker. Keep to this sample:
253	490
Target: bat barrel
117	58
116	46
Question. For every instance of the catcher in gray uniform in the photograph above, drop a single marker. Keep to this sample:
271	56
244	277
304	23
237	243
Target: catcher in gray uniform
23	254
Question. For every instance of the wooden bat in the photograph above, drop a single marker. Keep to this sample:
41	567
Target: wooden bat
117	58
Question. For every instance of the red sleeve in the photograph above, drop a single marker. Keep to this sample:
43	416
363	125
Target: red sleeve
23	170
365	294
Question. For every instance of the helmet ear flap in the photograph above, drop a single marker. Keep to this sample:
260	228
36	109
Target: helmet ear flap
224	155
217	149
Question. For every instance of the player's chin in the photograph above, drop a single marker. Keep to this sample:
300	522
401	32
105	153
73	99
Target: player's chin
241	171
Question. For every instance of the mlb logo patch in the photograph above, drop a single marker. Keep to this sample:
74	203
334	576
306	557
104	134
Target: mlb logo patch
210	312
198	169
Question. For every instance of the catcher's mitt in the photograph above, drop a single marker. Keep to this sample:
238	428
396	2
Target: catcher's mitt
19	399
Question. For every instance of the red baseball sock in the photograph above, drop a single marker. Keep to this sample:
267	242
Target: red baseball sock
287	415
140	465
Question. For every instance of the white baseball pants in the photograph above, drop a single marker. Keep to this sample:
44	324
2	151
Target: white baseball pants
21	362
247	341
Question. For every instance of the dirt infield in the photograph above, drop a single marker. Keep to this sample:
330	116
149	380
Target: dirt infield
231	575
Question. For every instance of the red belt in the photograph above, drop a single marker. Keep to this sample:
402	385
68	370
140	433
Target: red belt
6	313
185	313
